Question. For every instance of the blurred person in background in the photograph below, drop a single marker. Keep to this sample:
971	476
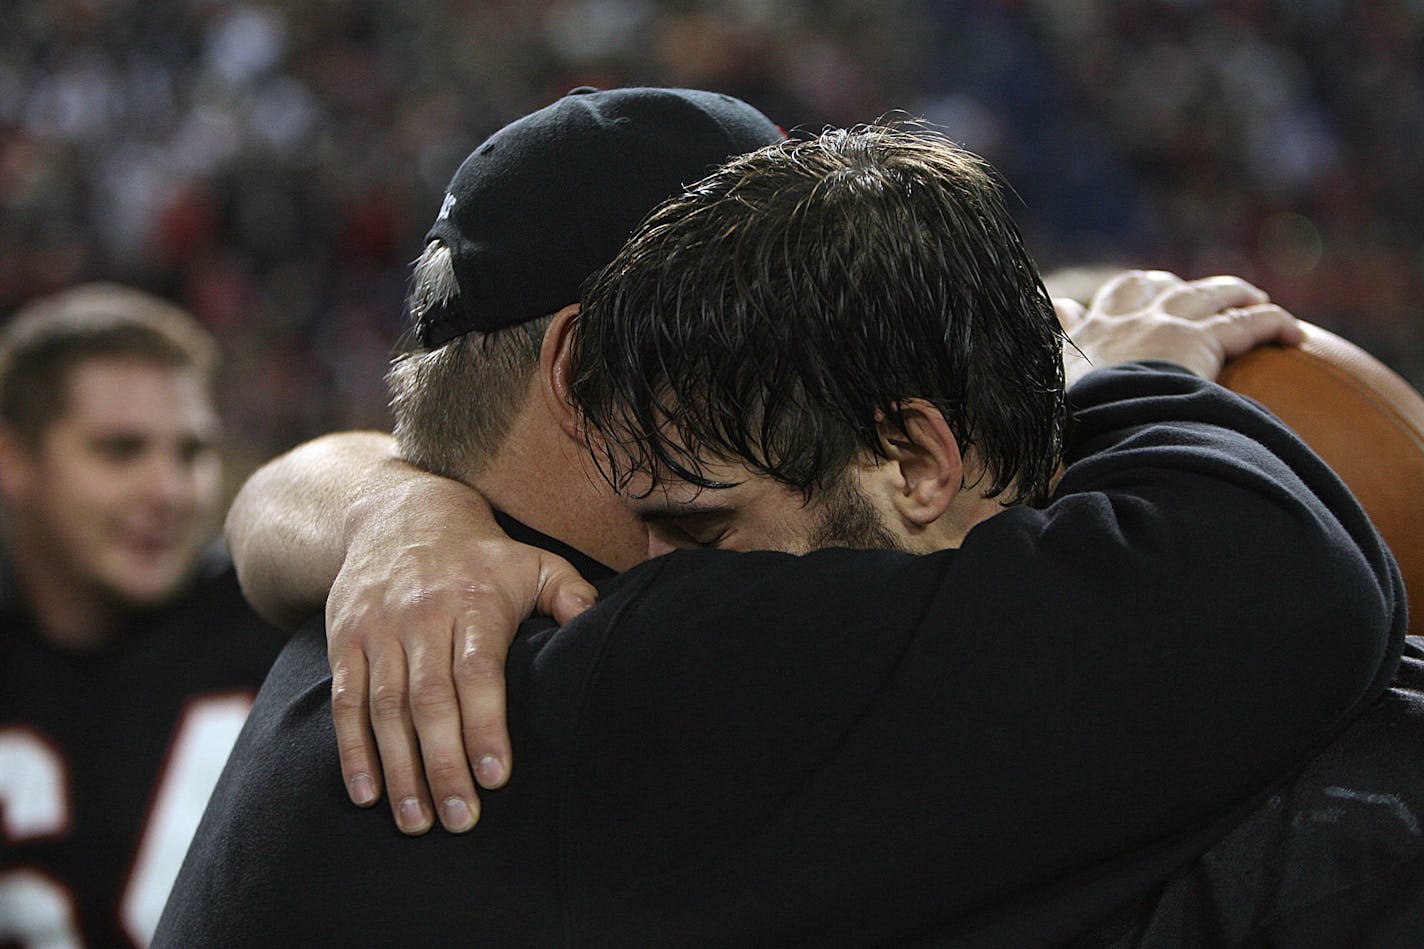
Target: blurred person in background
128	658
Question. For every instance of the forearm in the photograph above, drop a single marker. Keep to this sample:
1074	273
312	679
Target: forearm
291	525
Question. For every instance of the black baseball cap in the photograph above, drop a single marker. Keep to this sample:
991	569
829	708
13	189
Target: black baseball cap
550	199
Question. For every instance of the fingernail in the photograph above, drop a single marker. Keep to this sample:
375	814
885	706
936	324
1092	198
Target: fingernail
363	790
411	817
489	771
455	814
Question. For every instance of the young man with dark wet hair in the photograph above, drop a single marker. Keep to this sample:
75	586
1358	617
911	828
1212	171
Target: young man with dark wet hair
784	338
989	744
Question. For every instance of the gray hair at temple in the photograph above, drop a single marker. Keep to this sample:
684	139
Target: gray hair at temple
454	404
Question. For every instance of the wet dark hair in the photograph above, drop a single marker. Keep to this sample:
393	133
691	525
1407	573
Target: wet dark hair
786	302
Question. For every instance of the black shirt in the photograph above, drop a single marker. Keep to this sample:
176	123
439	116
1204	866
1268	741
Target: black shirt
107	757
1004	744
1334	859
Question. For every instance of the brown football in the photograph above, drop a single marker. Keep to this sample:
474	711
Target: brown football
1364	420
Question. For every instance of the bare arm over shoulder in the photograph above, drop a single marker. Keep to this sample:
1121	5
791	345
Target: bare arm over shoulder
288	526
423	593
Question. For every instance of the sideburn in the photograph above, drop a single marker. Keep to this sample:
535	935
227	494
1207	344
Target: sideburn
848	519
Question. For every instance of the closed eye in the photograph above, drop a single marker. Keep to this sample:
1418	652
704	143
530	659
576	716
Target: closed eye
680	526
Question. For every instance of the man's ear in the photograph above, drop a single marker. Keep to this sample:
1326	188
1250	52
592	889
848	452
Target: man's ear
554	369
926	467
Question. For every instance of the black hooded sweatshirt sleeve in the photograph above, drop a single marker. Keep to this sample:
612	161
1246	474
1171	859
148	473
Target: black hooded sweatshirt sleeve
994	745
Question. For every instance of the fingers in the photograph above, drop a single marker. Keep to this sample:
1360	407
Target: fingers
484	634
418	651
1132	290
1197	324
1239	330
420	618
563	593
1209	296
435	713
360	767
1070	312
396	740
481	648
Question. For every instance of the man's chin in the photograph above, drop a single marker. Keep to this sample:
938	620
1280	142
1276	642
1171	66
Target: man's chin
150	585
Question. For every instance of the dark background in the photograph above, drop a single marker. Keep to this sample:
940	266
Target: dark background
273	166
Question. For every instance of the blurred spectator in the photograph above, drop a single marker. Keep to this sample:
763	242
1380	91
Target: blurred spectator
128	659
266	163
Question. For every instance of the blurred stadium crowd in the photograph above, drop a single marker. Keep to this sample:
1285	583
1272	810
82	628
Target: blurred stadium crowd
272	166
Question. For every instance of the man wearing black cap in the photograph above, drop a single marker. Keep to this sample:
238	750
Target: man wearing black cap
631	825
128	659
531	213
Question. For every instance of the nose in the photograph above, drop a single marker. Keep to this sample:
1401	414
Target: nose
170	480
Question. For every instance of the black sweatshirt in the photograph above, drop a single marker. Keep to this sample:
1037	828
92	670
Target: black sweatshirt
1004	744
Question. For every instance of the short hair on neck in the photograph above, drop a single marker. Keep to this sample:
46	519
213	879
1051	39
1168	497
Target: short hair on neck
50	337
785	304
454	405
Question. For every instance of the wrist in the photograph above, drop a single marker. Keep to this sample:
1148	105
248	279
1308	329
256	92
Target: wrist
400	500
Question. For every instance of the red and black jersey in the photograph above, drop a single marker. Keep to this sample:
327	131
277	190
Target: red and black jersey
107	759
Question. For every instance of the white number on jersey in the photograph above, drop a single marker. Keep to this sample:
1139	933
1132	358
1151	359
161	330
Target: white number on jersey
38	912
